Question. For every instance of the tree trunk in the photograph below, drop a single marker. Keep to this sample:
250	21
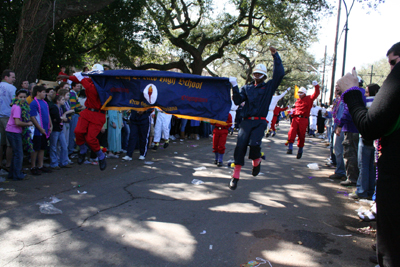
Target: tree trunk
37	19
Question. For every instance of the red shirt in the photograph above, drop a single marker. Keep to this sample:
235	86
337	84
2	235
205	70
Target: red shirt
278	110
92	97
304	105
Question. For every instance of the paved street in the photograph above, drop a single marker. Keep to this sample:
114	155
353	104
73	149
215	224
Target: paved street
137	214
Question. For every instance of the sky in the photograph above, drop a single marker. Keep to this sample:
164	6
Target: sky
368	38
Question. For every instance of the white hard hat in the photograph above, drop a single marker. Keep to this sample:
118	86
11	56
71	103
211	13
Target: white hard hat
302	90
260	68
97	67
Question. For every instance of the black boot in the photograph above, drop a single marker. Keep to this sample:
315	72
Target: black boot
233	183
289	151
81	158
256	169
102	164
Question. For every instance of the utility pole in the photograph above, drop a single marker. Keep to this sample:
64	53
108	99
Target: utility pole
346	29
323	79
335	54
372	74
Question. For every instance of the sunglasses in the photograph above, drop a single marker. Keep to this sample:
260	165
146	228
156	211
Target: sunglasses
393	61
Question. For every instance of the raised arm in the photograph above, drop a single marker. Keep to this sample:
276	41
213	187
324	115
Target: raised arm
238	97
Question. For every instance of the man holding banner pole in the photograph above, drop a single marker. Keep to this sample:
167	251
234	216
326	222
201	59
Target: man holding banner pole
257	97
91	119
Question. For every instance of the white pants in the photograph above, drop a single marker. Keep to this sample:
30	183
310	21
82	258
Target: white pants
162	126
270	116
233	114
313	123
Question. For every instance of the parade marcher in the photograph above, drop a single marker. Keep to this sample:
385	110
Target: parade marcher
162	128
139	123
277	111
91	119
300	119
220	133
313	118
257	97
272	106
381	121
233	110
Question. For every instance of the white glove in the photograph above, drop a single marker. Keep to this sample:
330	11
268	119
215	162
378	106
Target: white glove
79	76
233	81
288	89
314	83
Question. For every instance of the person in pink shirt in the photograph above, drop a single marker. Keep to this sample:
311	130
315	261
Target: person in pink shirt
19	110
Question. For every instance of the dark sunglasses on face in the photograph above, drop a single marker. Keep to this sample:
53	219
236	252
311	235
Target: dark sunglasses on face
393	61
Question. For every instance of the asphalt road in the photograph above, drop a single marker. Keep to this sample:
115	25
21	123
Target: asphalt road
137	214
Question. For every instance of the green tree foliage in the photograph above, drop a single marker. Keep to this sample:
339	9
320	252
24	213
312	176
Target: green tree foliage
10	12
197	32
240	61
380	70
106	35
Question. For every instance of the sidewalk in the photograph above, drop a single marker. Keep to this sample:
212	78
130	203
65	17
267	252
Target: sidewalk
148	213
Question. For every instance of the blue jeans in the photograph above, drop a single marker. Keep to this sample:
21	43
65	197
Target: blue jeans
340	169
125	132
55	139
15	140
367	176
72	125
183	124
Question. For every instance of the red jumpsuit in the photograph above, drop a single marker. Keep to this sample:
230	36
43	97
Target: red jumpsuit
220	134
300	118
91	119
277	110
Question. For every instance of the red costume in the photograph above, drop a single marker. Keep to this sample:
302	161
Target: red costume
220	134
91	119
300	117
277	110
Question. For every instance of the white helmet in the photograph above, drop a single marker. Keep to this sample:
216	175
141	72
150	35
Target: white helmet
260	68
302	90
97	67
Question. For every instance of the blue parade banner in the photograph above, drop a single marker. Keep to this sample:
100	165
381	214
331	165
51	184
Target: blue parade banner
183	95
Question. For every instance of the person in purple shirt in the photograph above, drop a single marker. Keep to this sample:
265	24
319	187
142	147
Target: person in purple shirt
14	134
350	145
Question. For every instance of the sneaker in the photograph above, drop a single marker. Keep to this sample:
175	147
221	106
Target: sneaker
112	156
166	145
354	196
155	147
123	151
45	170
55	168
338	176
233	183
173	138
347	183
127	158
35	171
70	162
141	157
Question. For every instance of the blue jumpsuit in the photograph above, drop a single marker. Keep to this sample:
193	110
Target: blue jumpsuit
257	100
